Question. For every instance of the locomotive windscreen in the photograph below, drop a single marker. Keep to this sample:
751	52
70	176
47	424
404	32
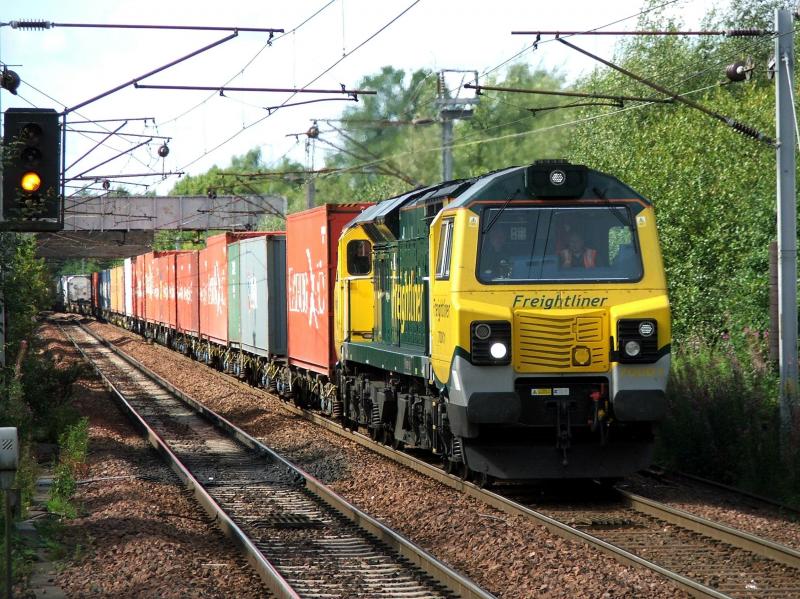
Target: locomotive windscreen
529	244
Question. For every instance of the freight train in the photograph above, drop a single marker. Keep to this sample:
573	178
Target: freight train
515	324
74	293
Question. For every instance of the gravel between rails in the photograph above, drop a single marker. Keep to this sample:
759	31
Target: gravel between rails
138	534
509	556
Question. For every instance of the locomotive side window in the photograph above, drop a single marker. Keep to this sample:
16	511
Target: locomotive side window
532	244
359	257
445	250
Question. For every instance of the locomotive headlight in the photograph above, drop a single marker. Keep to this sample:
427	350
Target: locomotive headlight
490	342
633	348
498	350
646	328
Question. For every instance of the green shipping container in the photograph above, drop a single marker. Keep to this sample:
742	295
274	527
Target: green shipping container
262	294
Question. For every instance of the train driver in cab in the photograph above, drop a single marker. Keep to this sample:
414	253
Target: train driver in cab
495	261
576	254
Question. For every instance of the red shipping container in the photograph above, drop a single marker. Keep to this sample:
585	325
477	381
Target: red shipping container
213	281
164	294
151	288
96	290
187	292
312	238
139	287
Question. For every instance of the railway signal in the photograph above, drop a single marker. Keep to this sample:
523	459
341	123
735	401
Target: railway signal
32	198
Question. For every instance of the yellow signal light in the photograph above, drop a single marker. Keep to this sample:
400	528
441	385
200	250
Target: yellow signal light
31	182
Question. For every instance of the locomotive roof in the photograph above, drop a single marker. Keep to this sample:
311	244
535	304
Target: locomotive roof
521	183
514	183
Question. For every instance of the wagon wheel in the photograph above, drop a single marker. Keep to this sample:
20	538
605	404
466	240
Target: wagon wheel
387	436
482	479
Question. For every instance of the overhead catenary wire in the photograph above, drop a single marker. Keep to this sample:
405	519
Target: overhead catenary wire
255	56
104	144
314	80
546	92
639	14
519	134
663	77
725	32
732	123
518	54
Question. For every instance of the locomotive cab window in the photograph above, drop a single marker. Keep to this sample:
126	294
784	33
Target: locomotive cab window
445	250
532	244
359	257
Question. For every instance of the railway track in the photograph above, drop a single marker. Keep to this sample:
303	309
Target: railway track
302	539
703	558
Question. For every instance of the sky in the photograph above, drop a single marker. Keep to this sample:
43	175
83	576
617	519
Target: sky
326	44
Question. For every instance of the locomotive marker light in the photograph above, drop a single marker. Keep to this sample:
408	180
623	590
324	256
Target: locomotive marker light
558	177
482	331
646	328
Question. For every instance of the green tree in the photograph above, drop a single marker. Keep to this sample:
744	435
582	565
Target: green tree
713	189
385	141
511	128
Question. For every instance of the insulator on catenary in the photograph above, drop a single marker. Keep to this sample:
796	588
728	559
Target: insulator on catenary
736	72
745	32
749	131
31	24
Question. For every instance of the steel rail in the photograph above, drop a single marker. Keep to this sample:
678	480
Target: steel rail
714	530
271	577
452	580
661	471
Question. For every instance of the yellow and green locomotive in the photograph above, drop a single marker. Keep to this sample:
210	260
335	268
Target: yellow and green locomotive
516	324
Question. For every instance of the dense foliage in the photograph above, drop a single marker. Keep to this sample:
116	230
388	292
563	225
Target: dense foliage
713	188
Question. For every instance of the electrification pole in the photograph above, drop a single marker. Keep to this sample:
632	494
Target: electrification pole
311	190
787	219
450	109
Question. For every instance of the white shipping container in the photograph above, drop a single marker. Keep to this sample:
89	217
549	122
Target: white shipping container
127	273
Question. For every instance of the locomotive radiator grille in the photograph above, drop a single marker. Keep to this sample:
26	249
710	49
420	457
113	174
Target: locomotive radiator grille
546	343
